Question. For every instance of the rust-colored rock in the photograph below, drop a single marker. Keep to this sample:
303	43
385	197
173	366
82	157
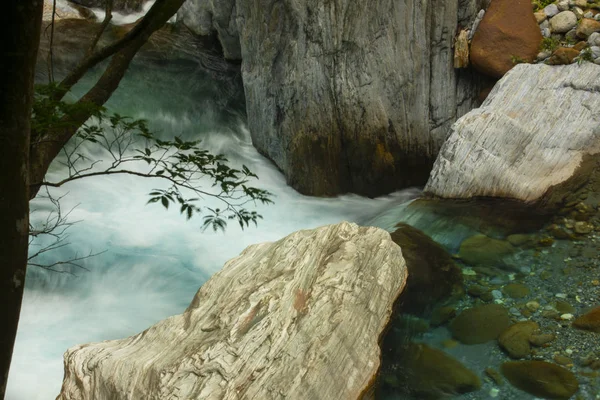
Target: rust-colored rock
507	32
586	27
563	56
589	321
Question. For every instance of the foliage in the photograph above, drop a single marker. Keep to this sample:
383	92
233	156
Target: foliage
585	55
127	146
517	60
549	44
540	4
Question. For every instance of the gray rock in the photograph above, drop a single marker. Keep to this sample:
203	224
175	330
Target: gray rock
597	17
273	323
578	12
546	32
597	61
595	51
347	96
551	10
532	133
208	17
571	35
588	15
563	5
545	24
543	55
478	19
594	39
496	294
563	22
581	3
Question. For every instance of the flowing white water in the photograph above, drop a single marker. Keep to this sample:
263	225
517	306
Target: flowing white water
154	260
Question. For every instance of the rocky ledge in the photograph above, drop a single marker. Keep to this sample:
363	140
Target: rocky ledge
279	319
535	138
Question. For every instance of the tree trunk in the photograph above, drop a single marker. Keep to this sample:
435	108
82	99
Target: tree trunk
20	25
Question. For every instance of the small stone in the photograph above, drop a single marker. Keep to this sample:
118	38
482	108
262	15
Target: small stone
594	39
597	17
552	314
442	315
563	5
580	46
496	294
595	51
589	321
587	26
515	340
562	360
581	3
564	307
541	339
495	376
480	324
541	379
551	10
540	16
515	311
563	56
477	290
516	290
588	15
578	12
563	22
582	227
561	295
532	306
566	317
546	32
571	36
543	25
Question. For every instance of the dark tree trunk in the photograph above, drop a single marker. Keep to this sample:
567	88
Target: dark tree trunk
20	23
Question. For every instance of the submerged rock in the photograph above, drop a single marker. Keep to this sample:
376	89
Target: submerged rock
541	379
589	321
430	373
536	138
482	250
432	274
274	322
480	324
515	340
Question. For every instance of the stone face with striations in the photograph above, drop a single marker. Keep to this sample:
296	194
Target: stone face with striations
346	96
282	319
540	127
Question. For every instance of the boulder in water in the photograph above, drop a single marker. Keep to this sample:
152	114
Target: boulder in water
300	317
536	138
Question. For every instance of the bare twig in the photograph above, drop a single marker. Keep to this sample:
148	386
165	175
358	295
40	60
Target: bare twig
107	19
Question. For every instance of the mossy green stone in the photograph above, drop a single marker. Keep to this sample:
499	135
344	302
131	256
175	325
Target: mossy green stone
480	324
484	250
516	290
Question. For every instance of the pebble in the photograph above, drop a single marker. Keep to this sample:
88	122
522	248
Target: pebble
578	12
563	22
496	294
588	15
514	311
566	317
595	51
560	295
581	3
532	306
551	10
563	5
597	17
594	39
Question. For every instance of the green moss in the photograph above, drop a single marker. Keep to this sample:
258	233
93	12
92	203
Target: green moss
549	44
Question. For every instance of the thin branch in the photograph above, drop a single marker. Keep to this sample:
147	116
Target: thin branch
50	61
107	19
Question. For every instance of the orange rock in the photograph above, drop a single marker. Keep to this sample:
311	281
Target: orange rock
508	31
586	27
563	55
589	321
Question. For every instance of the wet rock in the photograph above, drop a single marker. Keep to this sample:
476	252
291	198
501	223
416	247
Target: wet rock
563	22
589	321
484	250
514	145
480	324
541	378
432	274
442	315
515	339
582	227
118	5
541	339
495	376
337	282
431	373
564	307
507	30
586	27
516	290
521	240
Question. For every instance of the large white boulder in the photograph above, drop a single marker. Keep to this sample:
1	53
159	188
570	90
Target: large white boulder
538	126
298	318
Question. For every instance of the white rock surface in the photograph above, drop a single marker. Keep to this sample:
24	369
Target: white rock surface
563	22
531	133
298	318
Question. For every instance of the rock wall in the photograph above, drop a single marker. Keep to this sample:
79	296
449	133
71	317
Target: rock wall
345	96
534	138
298	318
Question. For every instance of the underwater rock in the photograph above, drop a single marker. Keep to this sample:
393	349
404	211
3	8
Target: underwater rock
541	378
432	274
536	138
484	250
515	340
480	324
430	373
274	322
589	321
515	290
